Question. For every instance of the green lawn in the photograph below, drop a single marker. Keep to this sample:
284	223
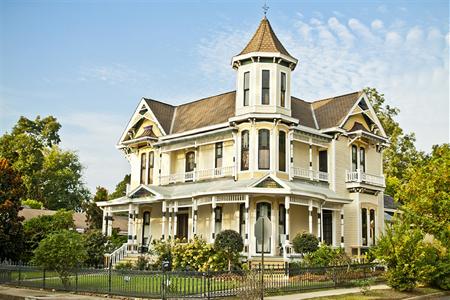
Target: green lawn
383	294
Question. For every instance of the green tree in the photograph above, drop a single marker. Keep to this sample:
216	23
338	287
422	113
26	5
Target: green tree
11	230
62	183
62	252
94	215
31	203
230	243
95	245
305	243
121	188
401	153
36	229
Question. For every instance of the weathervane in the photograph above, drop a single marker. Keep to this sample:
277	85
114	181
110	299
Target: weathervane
265	8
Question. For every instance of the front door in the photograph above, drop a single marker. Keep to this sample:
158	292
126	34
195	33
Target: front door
327	226
182	226
263	209
145	229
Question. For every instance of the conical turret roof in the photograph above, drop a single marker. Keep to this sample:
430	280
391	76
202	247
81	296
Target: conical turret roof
265	40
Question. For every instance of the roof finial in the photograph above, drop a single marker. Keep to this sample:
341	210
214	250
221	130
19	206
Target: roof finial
265	8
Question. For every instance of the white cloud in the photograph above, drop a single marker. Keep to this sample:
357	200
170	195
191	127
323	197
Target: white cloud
114	74
340	57
377	24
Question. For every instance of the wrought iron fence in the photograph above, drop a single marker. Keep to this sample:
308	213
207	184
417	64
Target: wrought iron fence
188	284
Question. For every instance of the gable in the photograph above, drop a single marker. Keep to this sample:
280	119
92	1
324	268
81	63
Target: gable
332	111
269	183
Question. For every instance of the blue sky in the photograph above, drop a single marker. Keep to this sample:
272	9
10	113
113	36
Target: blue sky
89	62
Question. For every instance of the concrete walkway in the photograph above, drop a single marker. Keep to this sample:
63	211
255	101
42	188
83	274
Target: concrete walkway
325	293
12	293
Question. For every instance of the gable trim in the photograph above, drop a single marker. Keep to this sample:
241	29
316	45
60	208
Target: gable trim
271	176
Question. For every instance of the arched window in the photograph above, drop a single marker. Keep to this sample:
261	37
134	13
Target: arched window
218	219
362	159
364	226
218	155
190	161
282	151
245	160
143	167
263	149
354	158
151	162
372	226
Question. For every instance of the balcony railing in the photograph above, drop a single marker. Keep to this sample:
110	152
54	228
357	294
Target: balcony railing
198	175
361	177
309	174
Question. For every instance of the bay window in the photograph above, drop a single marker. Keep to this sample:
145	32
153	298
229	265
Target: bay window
245	146
263	149
265	91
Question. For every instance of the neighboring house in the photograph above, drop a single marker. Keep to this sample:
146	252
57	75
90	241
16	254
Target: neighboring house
223	161
390	207
120	222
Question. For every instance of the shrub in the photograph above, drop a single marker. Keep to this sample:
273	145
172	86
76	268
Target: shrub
230	244
305	243
61	251
125	265
95	245
31	203
326	256
142	263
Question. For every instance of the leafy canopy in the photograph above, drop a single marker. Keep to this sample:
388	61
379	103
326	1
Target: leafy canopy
94	215
230	243
121	188
305	243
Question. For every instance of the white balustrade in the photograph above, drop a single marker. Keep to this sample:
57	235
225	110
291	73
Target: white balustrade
309	174
359	176
117	255
198	175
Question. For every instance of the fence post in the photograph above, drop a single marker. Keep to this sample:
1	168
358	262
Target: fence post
208	284
43	278
20	272
109	277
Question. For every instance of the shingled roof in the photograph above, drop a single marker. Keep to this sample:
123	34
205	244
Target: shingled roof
264	40
218	109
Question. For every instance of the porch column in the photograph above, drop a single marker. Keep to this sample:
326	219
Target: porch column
274	230
235	155
130	224
135	221
368	239
319	224
169	234
247	224
310	218
104	221
109	219
291	153
311	175
287	202
163	225
194	217
175	219
213	219
342	227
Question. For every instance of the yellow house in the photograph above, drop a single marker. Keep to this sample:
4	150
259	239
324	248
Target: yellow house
223	161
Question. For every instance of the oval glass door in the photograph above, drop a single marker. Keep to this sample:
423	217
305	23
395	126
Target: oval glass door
263	209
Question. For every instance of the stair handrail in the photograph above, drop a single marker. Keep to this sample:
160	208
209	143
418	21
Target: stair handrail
118	254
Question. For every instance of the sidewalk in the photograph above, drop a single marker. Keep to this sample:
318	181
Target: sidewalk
325	293
12	293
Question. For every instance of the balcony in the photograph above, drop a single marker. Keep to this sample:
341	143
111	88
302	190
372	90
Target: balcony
309	174
198	175
358	179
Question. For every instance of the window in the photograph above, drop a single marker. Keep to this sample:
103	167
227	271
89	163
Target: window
323	161
282	151
190	166
218	219
282	222
151	162
263	209
327	216
265	92
372	226
263	149
246	88
245	150
145	228
283	90
362	159
364	226
219	154
242	220
182	225
354	158
143	167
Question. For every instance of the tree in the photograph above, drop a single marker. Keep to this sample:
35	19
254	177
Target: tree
37	229
61	251
416	246
95	245
61	183
121	188
94	214
49	175
31	203
11	230
230	243
305	243
401	153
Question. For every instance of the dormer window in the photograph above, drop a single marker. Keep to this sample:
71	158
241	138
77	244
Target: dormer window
246	88
283	90
265	92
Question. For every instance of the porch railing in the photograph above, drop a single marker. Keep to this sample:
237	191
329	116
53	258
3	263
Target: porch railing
362	177
117	255
309	174
198	175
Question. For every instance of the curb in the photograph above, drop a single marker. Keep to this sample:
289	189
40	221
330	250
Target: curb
429	296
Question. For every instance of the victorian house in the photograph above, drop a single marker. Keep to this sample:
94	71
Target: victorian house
223	161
